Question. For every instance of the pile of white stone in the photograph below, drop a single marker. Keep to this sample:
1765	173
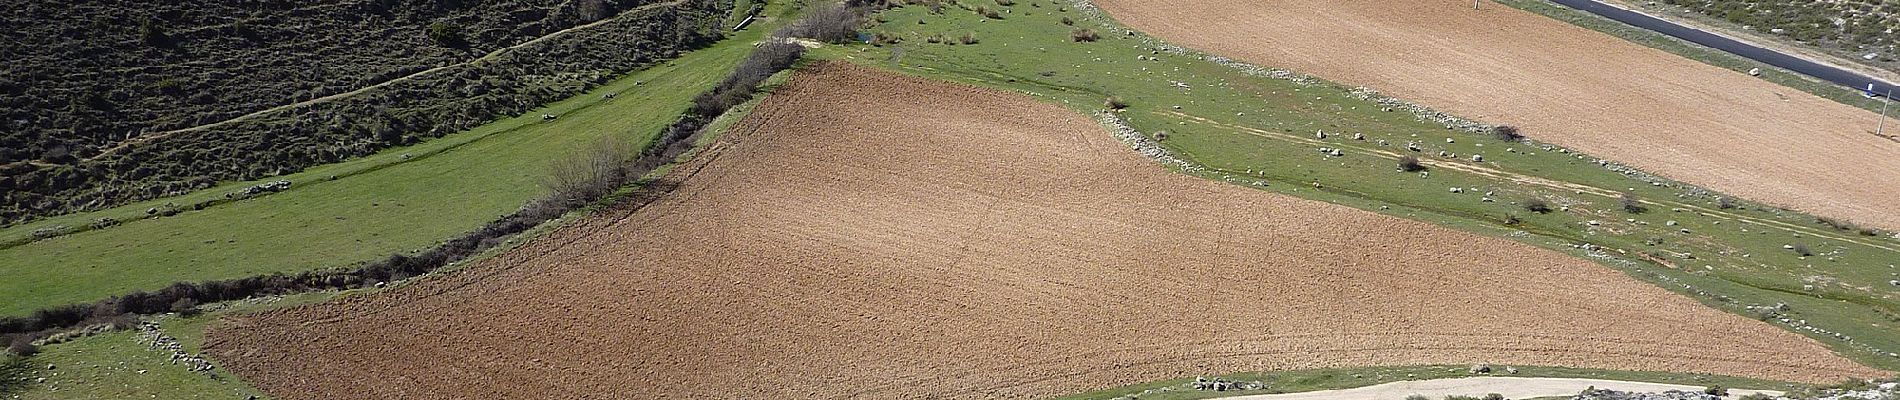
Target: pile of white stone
1606	394
156	340
1141	143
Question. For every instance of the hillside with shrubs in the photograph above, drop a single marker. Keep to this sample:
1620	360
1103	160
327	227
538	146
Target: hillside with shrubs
108	102
1859	29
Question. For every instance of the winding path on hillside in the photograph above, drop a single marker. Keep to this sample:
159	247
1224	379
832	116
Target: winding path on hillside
1510	387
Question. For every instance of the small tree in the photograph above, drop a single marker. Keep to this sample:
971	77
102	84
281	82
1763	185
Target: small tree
1802	249
1115	103
1724	203
1410	164
1068	21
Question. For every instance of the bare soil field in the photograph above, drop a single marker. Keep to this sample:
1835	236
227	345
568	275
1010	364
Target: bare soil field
863	234
1564	84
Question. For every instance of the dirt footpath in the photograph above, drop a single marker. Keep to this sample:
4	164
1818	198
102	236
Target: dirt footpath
869	235
1564	84
1511	388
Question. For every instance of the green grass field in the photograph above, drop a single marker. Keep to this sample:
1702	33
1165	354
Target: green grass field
400	200
119	365
1248	127
1234	124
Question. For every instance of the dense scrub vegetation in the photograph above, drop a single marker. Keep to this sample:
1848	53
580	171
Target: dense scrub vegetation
99	75
577	182
1854	28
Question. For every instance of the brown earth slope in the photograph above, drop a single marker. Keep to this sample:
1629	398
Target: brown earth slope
1564	84
864	234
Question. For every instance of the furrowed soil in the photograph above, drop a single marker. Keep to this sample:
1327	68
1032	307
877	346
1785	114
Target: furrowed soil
864	234
1564	84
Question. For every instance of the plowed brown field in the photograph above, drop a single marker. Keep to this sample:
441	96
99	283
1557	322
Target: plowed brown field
1564	84
864	234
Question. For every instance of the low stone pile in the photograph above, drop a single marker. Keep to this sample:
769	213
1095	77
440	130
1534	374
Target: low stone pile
1606	394
156	340
1880	391
266	187
1222	385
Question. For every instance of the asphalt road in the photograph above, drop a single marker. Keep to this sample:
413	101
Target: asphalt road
1824	72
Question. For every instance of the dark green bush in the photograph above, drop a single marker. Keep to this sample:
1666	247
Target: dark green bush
447	34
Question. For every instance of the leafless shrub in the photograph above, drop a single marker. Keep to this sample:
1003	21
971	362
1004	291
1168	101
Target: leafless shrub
591	172
22	345
1410	164
1537	206
885	38
1836	224
830	23
1724	203
1068	21
1631	204
1084	35
990	13
1115	103
968	38
1506	133
1803	250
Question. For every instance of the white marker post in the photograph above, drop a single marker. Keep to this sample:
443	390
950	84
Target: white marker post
1881	129
1474	4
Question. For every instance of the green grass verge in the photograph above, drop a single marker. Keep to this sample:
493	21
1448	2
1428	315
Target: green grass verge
117	365
1705	54
1249	127
399	200
1347	378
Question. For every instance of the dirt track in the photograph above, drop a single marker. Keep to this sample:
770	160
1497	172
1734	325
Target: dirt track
1563	84
868	235
1510	387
